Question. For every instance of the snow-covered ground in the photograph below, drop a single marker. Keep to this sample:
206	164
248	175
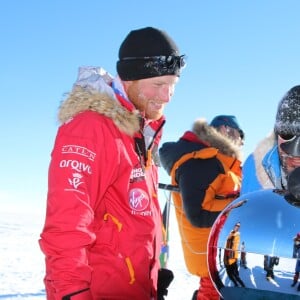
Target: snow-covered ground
22	263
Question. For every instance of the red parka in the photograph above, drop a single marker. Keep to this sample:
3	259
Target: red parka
102	232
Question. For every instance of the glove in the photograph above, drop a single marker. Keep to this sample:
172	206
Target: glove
165	277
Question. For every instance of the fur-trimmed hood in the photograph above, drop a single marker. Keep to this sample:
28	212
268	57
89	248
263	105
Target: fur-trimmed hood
215	139
202	136
262	168
263	165
81	99
93	91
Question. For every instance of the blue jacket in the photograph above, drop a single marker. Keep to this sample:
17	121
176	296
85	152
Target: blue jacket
261	170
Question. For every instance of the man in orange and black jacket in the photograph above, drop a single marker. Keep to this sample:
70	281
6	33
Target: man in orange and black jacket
205	163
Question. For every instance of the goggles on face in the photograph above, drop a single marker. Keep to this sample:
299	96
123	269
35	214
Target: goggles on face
289	143
170	62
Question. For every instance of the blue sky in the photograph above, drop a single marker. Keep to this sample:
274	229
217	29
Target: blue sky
242	57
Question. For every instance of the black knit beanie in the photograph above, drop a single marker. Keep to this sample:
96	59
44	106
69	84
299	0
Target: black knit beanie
288	113
144	52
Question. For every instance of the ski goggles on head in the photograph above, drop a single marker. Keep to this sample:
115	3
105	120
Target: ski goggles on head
289	143
163	62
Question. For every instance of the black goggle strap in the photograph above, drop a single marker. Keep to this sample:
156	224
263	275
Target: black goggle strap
166	61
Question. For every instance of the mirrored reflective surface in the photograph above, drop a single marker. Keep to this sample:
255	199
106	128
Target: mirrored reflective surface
254	259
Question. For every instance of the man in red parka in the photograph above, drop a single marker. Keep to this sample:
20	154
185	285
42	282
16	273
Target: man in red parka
102	232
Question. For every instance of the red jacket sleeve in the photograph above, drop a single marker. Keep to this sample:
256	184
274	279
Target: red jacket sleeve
74	177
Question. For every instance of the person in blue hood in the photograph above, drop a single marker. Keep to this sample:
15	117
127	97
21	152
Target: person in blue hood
277	155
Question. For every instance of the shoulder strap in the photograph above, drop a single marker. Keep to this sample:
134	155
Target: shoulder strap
203	154
228	163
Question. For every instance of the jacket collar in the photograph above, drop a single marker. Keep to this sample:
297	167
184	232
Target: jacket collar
211	137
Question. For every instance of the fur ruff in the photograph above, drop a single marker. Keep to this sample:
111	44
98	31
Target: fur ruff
259	153
81	99
215	139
